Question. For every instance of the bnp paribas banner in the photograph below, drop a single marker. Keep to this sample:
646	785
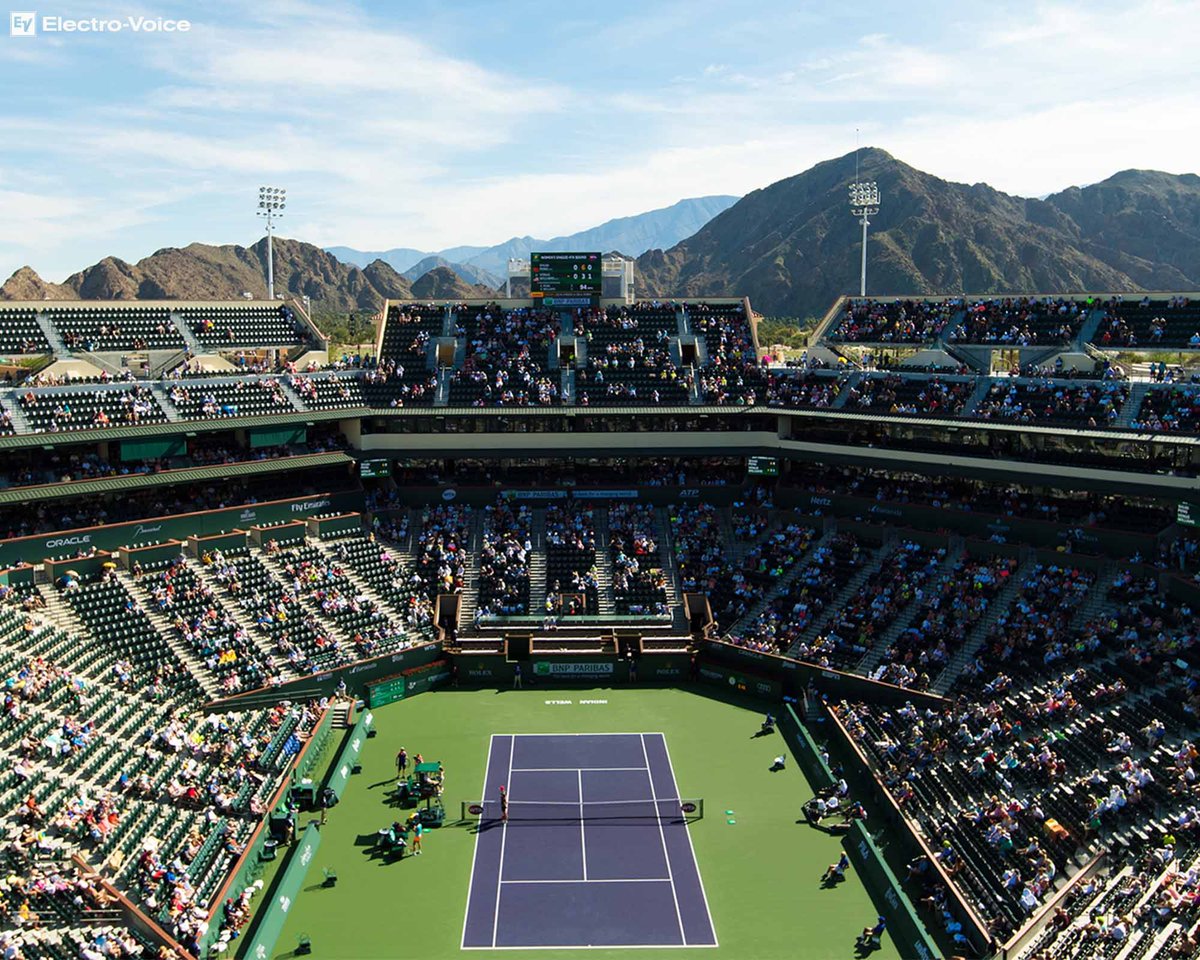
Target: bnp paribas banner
67	543
573	669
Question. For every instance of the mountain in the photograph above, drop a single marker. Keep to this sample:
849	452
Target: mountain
489	265
442	283
203	272
468	273
793	247
399	258
1143	222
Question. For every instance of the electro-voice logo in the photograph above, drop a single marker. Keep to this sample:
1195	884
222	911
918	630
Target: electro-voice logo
22	23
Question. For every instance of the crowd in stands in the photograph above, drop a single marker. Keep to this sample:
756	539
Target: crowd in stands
705	562
803	390
506	360
1083	406
1174	411
441	548
504	560
894	321
1021	321
639	584
894	393
571	559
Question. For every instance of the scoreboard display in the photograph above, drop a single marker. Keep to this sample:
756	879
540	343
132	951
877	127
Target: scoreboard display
762	466
562	275
374	468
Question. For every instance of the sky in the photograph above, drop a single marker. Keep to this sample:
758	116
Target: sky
431	124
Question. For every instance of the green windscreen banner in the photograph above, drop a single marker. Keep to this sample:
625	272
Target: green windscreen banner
277	436
273	915
157	449
339	775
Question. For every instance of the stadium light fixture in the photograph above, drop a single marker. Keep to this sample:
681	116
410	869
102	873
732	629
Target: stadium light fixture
864	204
271	201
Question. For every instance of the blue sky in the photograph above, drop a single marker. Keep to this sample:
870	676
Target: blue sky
433	124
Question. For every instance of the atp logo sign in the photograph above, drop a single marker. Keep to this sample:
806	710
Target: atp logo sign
22	23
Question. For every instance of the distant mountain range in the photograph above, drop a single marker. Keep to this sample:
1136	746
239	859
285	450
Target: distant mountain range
203	272
792	247
489	265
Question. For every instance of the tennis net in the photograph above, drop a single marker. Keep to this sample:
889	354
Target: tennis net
690	808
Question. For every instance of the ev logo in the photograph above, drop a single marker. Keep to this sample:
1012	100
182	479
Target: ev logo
22	23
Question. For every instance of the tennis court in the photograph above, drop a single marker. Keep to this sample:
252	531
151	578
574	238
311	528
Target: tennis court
595	851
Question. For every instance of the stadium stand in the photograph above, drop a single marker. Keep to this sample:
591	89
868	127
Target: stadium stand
111	329
1033	600
20	332
235	326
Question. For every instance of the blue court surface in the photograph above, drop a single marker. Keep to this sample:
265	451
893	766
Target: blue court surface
595	851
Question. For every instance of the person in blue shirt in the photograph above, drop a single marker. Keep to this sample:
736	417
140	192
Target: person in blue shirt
837	871
872	935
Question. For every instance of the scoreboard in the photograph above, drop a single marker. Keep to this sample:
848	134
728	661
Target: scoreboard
566	279
762	466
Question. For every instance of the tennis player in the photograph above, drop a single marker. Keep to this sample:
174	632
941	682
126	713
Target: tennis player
503	803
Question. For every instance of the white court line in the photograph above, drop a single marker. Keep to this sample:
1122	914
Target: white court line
471	880
512	743
582	828
606	946
632	733
596	880
572	769
699	879
666	854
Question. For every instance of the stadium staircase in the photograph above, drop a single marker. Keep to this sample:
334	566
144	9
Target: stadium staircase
113	367
977	396
843	396
442	397
1129	411
537	564
470	593
848	590
681	321
164	401
667	551
1095	602
606	606
61	615
567	386
293	398
955	552
1091	326
194	346
975	640
57	344
20	422
162	624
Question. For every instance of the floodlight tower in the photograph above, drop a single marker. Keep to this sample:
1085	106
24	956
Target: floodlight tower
864	204
270	207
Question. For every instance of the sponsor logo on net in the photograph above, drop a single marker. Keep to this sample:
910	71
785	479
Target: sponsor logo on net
27	23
